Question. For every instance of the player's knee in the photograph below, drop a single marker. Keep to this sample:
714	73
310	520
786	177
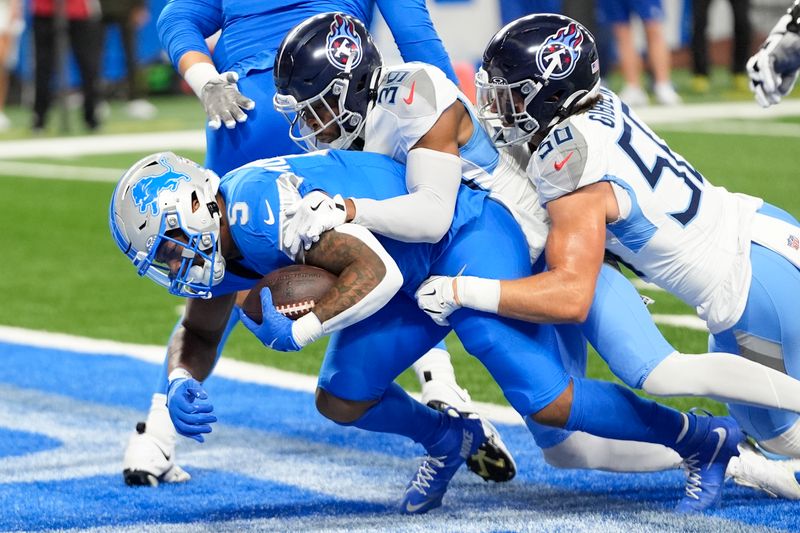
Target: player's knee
340	410
556	413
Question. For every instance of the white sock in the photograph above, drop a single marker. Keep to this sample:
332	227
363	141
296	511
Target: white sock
582	450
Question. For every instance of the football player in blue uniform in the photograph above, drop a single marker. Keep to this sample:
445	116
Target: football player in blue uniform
243	59
611	184
414	114
186	230
774	68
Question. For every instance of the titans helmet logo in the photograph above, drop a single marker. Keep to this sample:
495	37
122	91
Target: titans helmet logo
344	43
560	52
145	192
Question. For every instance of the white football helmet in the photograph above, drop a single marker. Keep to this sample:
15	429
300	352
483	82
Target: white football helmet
168	202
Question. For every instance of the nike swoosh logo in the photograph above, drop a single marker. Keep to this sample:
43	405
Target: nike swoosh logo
270	220
722	433
315	207
270	345
410	94
413	508
427	293
558	165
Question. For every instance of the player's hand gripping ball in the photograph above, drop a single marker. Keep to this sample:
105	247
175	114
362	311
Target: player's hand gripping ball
296	289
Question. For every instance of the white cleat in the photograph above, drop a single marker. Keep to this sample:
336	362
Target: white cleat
492	461
149	461
776	478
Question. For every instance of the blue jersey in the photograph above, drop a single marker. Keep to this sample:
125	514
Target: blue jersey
257	195
252	30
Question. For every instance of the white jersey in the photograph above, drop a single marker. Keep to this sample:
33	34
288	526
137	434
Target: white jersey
411	98
675	228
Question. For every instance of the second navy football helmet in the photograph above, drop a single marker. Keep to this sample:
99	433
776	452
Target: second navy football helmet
326	71
535	72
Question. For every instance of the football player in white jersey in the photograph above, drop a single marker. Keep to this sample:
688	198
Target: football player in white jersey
610	184
329	61
774	68
414	114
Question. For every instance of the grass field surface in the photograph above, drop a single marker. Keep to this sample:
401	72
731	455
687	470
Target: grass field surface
62	272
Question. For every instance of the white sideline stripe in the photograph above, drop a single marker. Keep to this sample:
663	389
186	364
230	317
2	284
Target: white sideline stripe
726	127
195	139
228	368
59	172
682	321
657	115
103	144
642	285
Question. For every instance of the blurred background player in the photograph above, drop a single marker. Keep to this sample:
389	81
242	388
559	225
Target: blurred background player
774	68
82	20
128	16
741	44
617	14
235	85
11	26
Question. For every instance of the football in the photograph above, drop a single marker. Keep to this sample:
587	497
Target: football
295	290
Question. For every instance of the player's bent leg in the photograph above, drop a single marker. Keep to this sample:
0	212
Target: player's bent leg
493	461
150	455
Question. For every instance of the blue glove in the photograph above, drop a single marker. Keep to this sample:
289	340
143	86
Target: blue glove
275	330
189	408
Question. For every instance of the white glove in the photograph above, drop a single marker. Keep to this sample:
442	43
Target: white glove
435	297
310	217
773	70
223	102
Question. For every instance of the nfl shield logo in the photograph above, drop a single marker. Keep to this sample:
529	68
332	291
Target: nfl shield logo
793	242
344	44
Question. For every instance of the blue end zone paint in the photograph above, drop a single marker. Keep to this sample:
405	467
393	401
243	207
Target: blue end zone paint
23	442
219	495
104	501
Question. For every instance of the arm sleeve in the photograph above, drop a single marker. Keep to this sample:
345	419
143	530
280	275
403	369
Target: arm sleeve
413	31
183	26
426	212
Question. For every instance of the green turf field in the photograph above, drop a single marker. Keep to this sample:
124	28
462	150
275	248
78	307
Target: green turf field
62	272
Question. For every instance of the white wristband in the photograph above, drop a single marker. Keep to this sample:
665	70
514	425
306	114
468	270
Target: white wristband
306	329
179	373
478	293
198	75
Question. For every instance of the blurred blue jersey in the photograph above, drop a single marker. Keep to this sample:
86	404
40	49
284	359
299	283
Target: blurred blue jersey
255	195
253	29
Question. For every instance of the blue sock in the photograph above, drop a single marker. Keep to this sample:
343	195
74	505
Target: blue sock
399	413
162	384
615	412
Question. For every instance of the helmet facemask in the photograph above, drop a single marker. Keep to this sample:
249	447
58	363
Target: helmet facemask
503	109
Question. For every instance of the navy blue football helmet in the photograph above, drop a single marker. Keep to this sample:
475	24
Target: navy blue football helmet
326	71
535	72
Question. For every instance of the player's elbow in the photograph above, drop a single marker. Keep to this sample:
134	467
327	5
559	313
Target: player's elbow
436	229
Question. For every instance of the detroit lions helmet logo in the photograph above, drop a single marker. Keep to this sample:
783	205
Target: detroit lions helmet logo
560	52
145	192
343	43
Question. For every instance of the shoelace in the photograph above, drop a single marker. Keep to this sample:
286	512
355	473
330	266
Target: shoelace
425	473
694	480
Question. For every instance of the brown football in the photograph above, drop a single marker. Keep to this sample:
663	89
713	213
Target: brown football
295	290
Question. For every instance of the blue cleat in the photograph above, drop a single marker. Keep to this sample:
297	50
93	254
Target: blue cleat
428	486
707	462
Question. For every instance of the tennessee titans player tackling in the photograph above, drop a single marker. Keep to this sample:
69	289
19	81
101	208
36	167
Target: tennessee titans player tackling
609	183
774	68
414	114
190	232
244	56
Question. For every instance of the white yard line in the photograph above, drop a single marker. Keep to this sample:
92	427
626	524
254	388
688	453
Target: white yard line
681	321
59	172
195	139
228	368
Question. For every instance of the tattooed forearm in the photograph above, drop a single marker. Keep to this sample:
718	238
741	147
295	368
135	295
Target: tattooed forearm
360	270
